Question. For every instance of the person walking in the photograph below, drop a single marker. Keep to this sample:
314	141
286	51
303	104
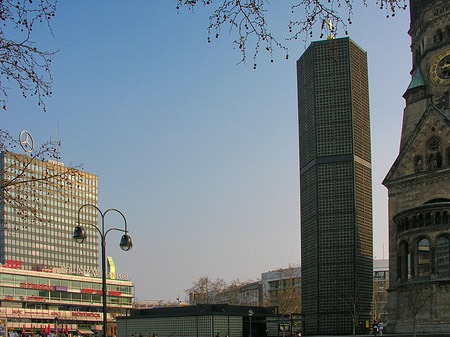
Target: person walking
380	328
375	329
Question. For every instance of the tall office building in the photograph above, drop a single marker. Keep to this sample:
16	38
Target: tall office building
419	182
335	187
38	213
48	282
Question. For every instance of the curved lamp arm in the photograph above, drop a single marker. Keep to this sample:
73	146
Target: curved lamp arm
123	217
80	235
89	224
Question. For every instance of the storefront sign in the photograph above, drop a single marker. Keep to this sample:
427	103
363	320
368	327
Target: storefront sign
94	272
42	267
60	288
85	314
34	298
13	264
100	292
37	286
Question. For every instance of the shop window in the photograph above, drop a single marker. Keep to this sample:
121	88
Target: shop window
97	298
20	292
86	297
423	258
55	296
76	297
65	296
8	278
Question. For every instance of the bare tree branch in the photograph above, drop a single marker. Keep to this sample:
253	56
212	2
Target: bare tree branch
27	181
246	19
21	62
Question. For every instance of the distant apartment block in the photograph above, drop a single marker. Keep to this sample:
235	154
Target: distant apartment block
282	288
380	294
250	294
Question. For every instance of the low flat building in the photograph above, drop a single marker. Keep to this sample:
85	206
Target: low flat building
201	320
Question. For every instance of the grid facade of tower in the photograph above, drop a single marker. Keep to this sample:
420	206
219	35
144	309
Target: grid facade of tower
335	186
39	205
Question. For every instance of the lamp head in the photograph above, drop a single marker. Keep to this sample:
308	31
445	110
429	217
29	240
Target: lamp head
79	235
125	242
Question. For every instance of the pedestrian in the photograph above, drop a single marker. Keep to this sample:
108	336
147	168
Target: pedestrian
380	328
375	329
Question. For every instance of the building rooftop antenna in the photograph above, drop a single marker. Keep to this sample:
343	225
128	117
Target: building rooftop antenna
58	143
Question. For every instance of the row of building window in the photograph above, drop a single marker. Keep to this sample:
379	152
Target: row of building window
42	295
18	280
423	220
424	259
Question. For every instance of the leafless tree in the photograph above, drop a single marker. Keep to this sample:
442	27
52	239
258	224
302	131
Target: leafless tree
285	292
206	291
23	187
247	20
354	301
418	298
379	301
22	63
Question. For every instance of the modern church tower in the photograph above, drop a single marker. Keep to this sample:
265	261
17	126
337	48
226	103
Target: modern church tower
419	182
335	187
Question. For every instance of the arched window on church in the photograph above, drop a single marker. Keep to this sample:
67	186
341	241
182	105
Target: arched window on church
424	258
416	56
403	262
420	221
437	218
418	163
447	29
445	218
438	160
440	35
428	219
432	162
443	256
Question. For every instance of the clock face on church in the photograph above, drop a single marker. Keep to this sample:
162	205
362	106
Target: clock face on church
440	68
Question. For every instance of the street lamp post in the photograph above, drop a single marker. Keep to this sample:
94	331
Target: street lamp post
79	235
250	314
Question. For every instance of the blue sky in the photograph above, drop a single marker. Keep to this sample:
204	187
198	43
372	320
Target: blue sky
199	153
